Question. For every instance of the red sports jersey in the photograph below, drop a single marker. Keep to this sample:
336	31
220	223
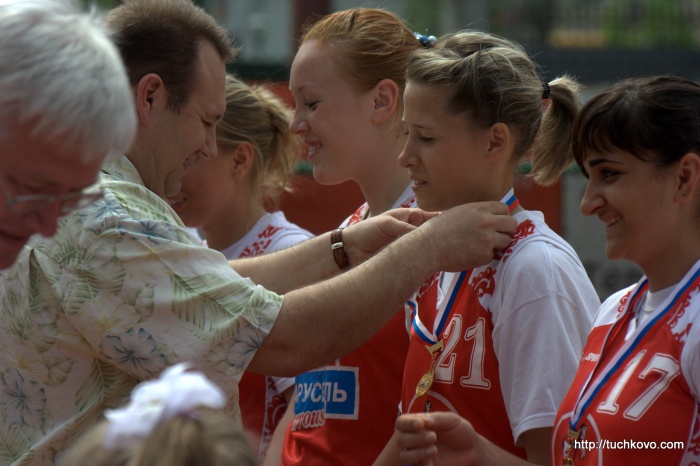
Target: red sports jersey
466	379
511	332
345	413
633	390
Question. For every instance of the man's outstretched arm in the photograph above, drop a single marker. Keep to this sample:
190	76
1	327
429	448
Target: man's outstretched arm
312	260
327	320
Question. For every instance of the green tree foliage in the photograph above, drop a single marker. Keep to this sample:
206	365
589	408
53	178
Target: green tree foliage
647	24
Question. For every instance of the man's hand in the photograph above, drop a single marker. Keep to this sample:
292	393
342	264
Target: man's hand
466	236
365	238
463	237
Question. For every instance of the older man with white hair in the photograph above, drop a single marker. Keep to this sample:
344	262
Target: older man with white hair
65	105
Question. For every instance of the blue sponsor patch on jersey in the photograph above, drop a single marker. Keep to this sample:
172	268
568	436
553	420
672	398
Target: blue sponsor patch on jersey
334	390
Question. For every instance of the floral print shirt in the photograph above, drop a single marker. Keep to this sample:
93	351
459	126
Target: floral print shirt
121	292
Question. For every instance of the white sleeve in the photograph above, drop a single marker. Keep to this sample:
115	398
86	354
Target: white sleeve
288	234
542	316
283	383
690	359
286	240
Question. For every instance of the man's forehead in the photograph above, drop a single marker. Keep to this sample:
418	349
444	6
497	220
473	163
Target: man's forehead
211	79
35	161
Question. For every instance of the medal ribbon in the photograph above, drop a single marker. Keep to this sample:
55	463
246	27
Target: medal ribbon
510	200
431	336
591	389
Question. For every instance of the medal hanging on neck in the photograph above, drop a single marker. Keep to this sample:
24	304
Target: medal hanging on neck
432	337
426	381
592	386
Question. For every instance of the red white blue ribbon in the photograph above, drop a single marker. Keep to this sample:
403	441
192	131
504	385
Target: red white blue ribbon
431	336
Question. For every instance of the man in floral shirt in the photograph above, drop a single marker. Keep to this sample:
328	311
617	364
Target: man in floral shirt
122	290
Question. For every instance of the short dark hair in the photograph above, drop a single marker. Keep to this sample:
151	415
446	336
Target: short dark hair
654	118
163	37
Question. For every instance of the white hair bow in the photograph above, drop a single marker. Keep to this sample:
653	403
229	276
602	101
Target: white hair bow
175	392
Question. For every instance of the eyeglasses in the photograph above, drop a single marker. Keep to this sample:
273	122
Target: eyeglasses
23	204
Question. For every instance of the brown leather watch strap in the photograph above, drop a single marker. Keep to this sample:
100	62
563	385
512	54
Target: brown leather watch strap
338	249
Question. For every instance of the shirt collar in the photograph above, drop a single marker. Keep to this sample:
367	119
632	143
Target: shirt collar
122	169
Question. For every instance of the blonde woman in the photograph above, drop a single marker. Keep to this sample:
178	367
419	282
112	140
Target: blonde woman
227	200
497	344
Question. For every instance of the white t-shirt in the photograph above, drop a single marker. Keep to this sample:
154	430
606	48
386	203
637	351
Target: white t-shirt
273	232
541	311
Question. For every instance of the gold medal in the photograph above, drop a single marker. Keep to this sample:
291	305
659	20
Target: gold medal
569	450
426	381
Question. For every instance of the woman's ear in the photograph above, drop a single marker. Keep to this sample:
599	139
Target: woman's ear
385	97
687	178
500	141
242	160
150	94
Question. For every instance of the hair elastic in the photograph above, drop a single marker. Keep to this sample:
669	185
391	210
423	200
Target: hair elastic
545	91
425	41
